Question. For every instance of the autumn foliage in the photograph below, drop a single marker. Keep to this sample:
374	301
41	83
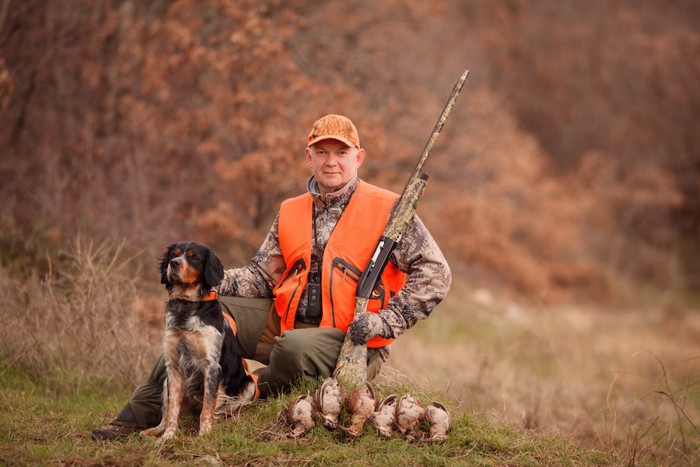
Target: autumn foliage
570	163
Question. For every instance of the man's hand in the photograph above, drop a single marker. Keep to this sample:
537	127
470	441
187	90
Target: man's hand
366	326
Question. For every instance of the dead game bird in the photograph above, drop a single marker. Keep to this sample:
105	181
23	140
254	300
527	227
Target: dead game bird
409	414
300	415
384	416
360	404
329	402
440	421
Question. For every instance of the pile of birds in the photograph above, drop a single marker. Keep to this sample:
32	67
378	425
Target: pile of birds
405	414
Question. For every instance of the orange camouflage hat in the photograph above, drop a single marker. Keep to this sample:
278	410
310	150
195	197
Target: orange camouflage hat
334	127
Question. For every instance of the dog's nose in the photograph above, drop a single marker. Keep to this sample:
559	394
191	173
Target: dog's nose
175	262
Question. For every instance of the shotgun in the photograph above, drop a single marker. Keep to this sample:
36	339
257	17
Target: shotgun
351	367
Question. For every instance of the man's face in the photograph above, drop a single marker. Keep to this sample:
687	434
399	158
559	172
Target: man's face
333	163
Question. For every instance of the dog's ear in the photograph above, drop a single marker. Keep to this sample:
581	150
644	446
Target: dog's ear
213	270
164	260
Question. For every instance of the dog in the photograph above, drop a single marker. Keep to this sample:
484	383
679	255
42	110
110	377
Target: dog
203	358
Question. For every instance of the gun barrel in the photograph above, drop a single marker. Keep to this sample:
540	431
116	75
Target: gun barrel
351	367
440	123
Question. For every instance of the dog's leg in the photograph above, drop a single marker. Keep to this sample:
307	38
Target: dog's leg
229	406
212	378
176	385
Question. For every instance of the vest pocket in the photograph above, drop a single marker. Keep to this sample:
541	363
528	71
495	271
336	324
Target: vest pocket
290	284
342	272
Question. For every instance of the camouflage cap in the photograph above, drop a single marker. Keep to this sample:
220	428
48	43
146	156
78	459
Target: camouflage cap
334	127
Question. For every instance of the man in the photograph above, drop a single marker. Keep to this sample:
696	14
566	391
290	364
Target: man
309	264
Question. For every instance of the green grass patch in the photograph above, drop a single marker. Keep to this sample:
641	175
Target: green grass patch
39	426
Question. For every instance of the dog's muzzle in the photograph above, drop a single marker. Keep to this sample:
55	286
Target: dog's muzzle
173	269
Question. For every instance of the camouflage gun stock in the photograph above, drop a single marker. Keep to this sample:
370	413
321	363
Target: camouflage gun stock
351	367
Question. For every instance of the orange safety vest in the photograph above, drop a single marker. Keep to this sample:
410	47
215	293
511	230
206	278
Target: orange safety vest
347	253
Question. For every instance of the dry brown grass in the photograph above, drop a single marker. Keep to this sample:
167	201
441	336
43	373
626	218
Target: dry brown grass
626	381
79	322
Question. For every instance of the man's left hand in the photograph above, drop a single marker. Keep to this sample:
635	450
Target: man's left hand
366	326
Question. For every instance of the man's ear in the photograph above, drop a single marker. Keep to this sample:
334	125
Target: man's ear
360	157
308	155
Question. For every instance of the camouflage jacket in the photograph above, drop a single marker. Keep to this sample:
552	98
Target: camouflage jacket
428	276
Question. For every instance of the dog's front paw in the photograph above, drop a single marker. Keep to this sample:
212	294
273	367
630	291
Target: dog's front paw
205	429
154	432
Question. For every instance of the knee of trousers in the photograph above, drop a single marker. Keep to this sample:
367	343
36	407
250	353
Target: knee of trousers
308	352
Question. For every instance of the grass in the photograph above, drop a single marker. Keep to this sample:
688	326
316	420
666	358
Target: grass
39	427
624	381
77	319
527	385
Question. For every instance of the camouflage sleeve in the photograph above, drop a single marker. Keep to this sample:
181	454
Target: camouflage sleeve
257	279
428	279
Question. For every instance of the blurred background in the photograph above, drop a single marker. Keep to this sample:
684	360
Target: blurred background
570	164
564	189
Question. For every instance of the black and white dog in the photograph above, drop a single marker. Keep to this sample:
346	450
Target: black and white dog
202	356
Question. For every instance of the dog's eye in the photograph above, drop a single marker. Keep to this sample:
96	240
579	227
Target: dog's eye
177	252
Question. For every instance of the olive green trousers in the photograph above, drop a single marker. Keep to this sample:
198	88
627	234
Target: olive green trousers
299	353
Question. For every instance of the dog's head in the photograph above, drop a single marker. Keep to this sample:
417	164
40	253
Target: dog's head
190	270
